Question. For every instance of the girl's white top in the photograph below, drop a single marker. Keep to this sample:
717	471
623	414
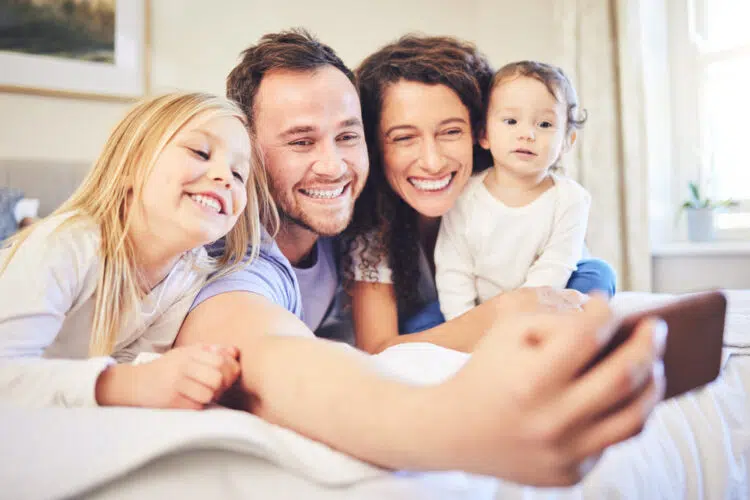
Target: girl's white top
47	298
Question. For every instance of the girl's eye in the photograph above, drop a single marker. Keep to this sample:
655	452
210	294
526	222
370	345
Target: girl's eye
546	125
510	121
200	153
238	176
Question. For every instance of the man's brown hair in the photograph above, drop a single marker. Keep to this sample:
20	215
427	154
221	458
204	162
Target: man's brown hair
292	50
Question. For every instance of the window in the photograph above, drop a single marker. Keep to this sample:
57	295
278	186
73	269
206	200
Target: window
710	47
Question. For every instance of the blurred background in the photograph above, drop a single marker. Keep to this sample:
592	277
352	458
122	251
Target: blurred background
665	83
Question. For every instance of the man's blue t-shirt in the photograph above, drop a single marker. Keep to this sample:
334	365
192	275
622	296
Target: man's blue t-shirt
314	294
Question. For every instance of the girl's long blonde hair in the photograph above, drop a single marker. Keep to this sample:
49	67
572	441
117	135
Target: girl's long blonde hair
123	166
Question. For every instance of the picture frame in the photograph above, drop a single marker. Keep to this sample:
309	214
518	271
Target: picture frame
123	77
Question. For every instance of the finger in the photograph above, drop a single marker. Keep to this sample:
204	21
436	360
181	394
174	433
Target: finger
207	355
550	299
574	297
617	378
230	370
226	350
195	391
624	423
207	375
229	351
560	345
572	340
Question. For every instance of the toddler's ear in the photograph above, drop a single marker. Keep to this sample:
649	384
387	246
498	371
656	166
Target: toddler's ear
483	141
570	140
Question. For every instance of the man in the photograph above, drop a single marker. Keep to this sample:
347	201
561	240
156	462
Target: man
519	409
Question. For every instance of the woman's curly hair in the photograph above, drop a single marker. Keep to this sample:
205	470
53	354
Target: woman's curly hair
432	60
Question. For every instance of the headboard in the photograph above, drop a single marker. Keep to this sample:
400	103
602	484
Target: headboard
50	181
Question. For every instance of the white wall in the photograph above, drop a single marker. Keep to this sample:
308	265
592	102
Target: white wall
194	46
694	272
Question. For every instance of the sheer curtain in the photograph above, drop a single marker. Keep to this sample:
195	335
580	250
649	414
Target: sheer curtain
603	50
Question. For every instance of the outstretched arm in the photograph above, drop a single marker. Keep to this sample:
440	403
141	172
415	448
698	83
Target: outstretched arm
532	419
325	390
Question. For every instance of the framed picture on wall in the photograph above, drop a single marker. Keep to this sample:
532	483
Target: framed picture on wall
83	48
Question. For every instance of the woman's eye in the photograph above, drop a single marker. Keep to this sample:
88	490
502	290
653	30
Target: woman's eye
238	176
403	138
546	125
453	133
510	121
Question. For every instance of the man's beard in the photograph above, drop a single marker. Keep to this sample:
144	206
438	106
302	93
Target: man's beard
289	221
298	218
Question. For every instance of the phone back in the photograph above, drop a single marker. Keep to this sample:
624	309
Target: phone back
696	333
694	342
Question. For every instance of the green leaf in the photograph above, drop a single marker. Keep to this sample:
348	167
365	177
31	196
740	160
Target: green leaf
695	192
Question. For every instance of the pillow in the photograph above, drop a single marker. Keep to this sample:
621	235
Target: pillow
9	197
26	208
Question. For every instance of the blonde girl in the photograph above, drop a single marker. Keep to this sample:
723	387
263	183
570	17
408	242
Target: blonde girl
110	275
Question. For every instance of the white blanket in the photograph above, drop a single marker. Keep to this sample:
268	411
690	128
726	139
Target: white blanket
696	446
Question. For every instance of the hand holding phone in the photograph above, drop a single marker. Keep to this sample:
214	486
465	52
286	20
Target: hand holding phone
692	357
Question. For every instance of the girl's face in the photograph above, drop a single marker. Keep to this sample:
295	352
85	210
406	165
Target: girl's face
427	145
526	127
197	188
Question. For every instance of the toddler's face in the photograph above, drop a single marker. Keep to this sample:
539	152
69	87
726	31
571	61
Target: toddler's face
526	126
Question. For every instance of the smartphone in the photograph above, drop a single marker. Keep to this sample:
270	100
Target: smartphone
692	357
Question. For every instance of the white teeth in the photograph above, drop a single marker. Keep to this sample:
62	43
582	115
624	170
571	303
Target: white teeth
207	201
431	185
324	193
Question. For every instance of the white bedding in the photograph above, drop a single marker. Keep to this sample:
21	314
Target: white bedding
694	447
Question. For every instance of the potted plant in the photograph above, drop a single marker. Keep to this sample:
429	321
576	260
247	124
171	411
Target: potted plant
700	214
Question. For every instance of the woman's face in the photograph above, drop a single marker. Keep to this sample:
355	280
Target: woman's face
427	145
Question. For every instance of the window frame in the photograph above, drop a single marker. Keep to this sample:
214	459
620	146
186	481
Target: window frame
689	63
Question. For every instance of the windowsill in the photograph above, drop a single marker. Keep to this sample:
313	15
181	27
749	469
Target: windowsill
702	249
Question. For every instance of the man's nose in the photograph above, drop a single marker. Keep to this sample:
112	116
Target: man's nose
330	163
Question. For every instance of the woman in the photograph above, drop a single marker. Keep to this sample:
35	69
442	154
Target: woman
423	106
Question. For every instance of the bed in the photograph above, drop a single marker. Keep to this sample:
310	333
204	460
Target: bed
694	447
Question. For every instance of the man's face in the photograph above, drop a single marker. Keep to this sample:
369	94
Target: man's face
309	128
